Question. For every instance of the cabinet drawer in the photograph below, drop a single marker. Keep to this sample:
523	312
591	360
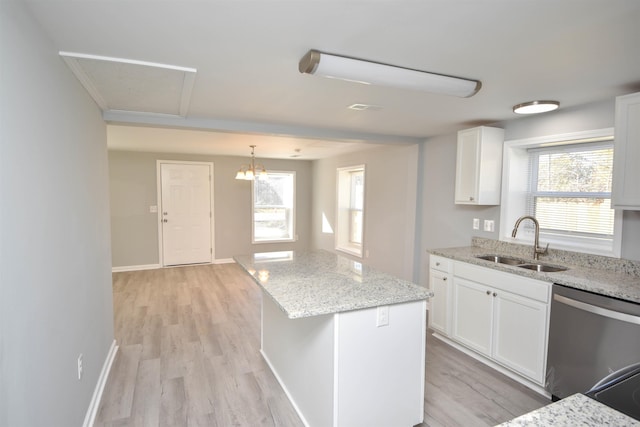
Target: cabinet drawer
519	285
440	263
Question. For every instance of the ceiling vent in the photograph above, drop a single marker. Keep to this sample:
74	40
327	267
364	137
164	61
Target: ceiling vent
124	85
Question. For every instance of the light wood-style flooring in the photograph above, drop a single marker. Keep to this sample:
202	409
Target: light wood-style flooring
189	342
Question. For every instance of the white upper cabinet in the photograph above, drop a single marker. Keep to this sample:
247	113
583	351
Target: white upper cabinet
626	156
479	166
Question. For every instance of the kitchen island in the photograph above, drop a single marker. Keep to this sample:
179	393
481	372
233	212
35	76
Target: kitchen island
347	343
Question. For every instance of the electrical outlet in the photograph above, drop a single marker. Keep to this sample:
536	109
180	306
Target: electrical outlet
80	366
476	223
489	225
383	316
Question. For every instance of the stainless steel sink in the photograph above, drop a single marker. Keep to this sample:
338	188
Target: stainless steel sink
502	259
517	262
543	267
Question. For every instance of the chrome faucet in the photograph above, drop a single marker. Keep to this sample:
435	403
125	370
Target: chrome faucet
537	250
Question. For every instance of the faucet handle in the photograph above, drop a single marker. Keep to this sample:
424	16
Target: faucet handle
542	251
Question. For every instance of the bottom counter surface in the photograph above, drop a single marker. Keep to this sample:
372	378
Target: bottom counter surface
575	410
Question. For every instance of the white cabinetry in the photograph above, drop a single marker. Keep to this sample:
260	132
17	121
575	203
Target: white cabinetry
472	315
440	283
502	316
479	166
520	334
626	156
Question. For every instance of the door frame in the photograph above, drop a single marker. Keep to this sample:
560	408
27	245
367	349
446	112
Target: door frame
159	201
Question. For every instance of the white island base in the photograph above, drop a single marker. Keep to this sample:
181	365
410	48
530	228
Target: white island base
344	370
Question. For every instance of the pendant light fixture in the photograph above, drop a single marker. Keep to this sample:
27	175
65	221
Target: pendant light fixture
374	73
253	170
535	107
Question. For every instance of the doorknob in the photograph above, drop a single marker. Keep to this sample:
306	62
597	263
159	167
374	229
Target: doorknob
164	213
165	220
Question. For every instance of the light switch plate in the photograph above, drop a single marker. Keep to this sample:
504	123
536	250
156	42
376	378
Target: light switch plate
153	209
476	223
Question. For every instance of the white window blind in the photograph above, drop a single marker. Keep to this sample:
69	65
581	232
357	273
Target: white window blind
350	209
356	207
570	189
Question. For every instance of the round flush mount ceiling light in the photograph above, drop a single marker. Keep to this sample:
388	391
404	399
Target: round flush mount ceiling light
535	107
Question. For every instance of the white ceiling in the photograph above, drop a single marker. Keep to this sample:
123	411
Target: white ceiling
246	55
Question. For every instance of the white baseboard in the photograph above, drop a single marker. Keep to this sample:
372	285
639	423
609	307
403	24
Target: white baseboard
135	268
285	389
92	411
155	266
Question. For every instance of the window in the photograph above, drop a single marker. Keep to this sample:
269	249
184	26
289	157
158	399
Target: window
350	203
566	185
571	189
273	207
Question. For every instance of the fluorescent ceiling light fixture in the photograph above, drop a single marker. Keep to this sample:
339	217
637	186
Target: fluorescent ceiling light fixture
374	73
535	107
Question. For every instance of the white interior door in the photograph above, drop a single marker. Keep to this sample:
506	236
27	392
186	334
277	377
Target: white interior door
186	213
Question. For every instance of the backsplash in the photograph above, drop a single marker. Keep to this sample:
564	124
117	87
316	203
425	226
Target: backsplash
558	256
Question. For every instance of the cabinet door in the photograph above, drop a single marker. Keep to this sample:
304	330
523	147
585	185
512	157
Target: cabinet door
467	164
520	334
472	315
625	193
440	284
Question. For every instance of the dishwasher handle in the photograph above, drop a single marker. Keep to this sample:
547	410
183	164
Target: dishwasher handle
624	317
616	376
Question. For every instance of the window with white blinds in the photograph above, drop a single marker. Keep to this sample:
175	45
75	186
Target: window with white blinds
564	181
570	189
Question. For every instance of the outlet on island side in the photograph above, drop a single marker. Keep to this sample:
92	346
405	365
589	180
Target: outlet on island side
382	318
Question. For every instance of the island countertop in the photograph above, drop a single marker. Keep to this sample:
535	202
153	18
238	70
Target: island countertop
311	283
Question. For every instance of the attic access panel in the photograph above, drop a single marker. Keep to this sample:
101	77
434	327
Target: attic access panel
124	85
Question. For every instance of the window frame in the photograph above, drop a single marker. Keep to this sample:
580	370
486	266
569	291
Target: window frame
345	210
515	193
293	237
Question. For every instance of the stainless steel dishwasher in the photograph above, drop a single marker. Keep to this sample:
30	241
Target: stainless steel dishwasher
590	336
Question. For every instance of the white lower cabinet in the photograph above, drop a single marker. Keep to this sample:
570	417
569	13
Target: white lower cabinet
440	283
503	317
472	315
520	334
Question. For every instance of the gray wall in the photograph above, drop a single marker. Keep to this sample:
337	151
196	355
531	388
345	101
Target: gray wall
55	264
133	189
390	205
445	224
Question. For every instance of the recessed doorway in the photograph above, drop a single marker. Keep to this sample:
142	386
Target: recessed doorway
185	194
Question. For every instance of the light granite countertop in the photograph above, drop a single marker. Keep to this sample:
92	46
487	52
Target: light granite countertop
311	283
575	410
613	277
